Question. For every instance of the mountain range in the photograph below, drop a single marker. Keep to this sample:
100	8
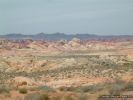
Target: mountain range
58	36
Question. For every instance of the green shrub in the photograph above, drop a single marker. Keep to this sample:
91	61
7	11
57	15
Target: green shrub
23	90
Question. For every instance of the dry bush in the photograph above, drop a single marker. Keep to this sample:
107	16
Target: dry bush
23	90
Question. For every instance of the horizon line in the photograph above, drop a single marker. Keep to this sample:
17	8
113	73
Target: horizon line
67	34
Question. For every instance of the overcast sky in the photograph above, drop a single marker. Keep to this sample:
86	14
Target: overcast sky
68	16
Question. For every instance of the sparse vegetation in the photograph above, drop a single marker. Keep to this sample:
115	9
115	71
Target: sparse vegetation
129	86
45	88
69	71
82	97
90	88
57	98
4	89
23	90
68	98
44	97
37	96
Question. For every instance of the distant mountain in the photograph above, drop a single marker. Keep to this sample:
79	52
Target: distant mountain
58	36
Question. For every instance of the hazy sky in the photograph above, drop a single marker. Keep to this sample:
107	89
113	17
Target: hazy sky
68	16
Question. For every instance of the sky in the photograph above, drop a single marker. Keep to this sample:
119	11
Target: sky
102	17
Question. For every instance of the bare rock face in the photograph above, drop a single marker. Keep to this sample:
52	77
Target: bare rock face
75	42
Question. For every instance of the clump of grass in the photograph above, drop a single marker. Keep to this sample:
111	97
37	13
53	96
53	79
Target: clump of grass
23	90
68	98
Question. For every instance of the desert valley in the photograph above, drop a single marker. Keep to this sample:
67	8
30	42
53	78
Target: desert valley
76	69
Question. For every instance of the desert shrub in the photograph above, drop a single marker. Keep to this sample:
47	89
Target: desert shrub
82	97
116	89
67	88
45	88
129	86
68	98
24	83
70	89
4	89
118	81
44	97
23	90
56	98
33	96
62	88
91	88
37	96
